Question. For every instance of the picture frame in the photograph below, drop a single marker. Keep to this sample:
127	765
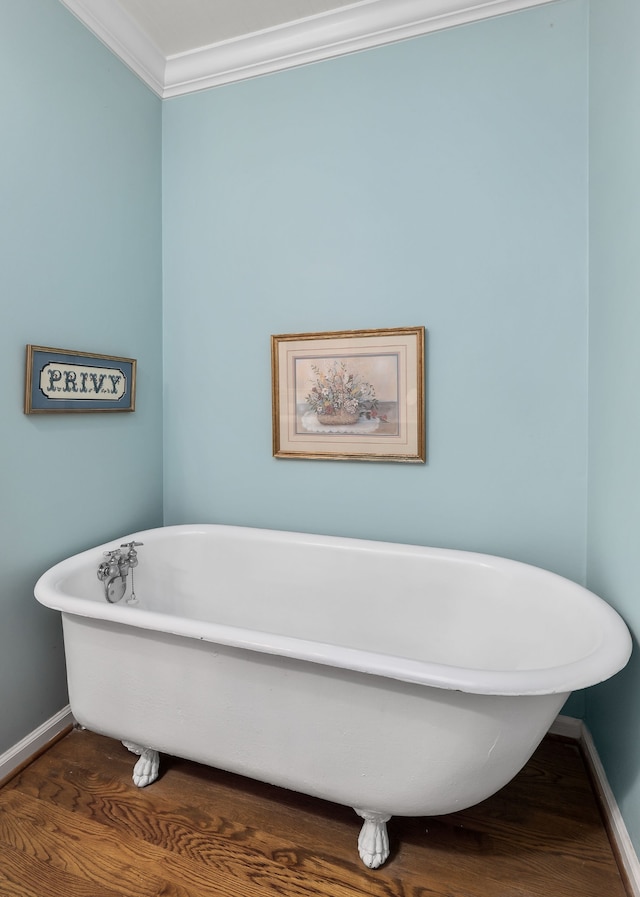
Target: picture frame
349	395
67	381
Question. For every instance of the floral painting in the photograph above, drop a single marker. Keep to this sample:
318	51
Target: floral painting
354	394
347	395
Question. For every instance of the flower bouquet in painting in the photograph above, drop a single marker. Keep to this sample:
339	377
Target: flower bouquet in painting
341	397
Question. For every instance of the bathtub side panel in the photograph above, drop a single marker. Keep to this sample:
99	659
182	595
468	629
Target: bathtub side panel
353	738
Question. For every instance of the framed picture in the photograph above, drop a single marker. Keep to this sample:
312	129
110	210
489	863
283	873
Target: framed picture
356	394
63	380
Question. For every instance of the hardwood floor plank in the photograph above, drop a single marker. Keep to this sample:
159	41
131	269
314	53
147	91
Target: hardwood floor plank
71	846
83	847
201	831
181	812
22	875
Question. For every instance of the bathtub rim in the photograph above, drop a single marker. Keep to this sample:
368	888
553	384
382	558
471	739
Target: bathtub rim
608	657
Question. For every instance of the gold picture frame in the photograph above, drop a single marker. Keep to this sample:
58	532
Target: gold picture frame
349	395
63	381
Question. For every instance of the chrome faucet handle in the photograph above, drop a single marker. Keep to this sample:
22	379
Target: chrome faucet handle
132	554
109	567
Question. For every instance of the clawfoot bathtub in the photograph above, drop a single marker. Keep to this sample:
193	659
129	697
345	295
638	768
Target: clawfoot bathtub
394	679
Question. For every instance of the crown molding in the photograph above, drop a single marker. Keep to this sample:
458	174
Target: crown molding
361	25
123	36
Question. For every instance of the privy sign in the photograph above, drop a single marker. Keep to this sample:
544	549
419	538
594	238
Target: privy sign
65	380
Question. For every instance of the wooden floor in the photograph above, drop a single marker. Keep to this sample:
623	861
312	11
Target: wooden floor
72	824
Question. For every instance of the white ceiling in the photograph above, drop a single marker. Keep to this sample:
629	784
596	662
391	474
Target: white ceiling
178	26
180	46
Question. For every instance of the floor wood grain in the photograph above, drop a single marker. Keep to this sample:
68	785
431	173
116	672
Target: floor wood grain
72	823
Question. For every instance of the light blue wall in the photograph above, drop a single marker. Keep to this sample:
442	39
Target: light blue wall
80	209
440	181
613	710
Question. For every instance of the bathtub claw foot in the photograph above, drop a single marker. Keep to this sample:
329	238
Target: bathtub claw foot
146	769
373	841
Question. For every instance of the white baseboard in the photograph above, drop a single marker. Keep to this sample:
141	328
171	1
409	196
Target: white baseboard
627	857
32	743
567	727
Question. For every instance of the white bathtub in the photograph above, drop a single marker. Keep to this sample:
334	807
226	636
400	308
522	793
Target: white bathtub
391	678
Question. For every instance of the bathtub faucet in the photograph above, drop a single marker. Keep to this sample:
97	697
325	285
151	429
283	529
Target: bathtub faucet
113	572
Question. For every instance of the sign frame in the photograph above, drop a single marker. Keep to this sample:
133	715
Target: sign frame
69	381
